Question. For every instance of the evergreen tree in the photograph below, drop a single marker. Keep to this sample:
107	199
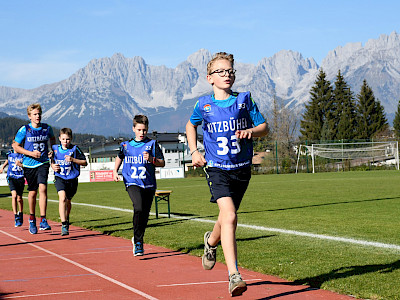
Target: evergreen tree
396	122
371	115
345	114
315	115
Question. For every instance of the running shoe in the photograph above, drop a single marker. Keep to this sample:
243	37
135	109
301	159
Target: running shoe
210	253
44	225
32	226
64	230
21	218
236	284
137	248
17	221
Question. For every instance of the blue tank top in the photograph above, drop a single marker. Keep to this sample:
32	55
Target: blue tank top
137	171
13	170
37	139
223	149
68	170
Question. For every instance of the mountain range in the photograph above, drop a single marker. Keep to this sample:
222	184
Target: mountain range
103	97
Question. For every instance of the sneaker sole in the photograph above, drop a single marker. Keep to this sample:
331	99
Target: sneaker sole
138	254
32	232
45	228
239	290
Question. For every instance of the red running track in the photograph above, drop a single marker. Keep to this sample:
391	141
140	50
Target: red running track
89	265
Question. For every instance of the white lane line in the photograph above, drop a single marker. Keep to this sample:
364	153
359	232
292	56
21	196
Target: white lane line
262	228
49	294
136	291
199	283
65	254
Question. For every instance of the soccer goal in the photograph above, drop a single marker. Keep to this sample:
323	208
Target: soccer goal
354	154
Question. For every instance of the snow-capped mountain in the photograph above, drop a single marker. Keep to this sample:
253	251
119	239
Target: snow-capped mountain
103	97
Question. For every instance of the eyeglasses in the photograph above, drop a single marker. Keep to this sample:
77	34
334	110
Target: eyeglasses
223	73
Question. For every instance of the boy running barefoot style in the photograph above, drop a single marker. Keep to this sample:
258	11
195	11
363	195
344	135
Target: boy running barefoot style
16	182
32	141
66	162
230	120
140	156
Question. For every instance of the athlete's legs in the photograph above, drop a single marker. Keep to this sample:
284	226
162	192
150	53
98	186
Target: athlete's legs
32	202
14	197
42	199
225	230
20	203
62	205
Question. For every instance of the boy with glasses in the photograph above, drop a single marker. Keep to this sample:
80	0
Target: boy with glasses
230	120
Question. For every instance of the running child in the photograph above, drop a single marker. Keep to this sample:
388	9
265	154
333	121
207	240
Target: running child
230	120
140	156
32	141
66	161
16	182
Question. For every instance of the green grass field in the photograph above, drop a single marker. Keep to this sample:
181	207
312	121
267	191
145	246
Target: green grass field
357	205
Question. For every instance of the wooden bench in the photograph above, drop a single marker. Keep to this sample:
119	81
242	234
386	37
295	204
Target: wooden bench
162	195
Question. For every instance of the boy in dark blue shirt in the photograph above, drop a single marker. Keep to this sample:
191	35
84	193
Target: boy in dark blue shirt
140	156
16	182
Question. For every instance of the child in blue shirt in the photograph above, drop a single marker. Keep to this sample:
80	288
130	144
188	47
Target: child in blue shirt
140	156
16	182
32	141
230	120
66	162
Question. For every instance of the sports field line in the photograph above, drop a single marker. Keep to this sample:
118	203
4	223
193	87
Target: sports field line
49	294
262	228
123	285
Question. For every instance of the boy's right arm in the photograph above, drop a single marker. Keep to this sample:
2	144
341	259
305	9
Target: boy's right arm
19	149
198	159
118	163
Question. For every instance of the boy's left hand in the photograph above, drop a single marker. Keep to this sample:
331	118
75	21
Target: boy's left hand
244	134
67	158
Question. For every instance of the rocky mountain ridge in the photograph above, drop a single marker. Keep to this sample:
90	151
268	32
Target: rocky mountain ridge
102	97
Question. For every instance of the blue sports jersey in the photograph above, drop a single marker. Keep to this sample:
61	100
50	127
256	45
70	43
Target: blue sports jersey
137	171
223	149
257	118
68	170
13	170
35	139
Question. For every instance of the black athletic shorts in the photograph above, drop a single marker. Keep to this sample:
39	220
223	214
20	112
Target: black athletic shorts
16	184
69	186
224	183
36	176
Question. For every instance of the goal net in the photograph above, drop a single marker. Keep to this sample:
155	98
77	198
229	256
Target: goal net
355	154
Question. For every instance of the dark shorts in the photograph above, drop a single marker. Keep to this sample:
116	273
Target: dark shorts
232	183
16	184
69	186
36	176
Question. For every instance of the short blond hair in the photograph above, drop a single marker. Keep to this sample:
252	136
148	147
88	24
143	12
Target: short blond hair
219	56
33	107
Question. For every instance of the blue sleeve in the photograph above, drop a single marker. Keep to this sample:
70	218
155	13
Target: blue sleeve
256	117
51	133
20	136
196	118
158	151
121	153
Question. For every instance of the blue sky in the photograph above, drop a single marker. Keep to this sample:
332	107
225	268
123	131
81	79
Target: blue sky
48	40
